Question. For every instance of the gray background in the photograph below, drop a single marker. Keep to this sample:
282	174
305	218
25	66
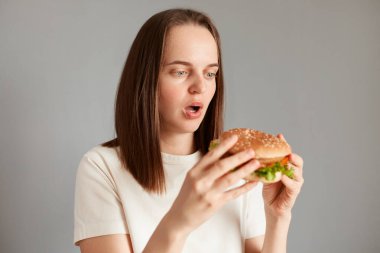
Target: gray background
308	69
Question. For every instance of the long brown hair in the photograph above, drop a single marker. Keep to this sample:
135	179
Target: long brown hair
136	113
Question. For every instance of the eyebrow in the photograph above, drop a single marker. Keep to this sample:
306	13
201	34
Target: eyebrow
189	64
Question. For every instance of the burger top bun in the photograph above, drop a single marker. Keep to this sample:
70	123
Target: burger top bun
268	148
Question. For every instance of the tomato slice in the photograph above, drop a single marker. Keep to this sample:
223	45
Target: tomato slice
285	161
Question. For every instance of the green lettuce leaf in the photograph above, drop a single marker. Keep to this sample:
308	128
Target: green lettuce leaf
213	144
269	173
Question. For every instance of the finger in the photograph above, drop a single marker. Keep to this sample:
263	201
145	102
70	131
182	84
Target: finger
296	160
297	174
215	154
238	191
227	164
233	177
292	186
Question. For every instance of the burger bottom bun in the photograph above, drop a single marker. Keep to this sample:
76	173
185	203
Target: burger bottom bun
254	177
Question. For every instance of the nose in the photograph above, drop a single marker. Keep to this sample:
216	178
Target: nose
198	84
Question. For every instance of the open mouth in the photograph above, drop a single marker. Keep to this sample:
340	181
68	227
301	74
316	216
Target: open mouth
194	110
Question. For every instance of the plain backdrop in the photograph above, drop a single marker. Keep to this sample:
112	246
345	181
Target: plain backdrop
307	69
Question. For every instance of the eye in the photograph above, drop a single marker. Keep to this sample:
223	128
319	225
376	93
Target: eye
211	75
180	73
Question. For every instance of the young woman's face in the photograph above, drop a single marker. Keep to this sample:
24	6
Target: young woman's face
187	78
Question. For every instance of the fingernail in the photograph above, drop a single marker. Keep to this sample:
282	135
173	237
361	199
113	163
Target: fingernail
250	152
233	138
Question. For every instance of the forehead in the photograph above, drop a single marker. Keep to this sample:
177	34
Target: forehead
192	43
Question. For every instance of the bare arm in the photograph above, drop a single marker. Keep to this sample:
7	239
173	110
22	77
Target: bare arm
275	238
118	243
254	245
276	235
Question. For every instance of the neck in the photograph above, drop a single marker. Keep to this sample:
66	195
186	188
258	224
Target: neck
177	144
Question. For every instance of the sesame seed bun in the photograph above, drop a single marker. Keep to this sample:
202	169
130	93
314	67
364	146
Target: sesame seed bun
268	148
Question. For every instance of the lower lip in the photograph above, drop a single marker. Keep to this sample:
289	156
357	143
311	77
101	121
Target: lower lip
193	115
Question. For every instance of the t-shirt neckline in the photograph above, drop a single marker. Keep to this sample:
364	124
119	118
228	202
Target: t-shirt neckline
180	159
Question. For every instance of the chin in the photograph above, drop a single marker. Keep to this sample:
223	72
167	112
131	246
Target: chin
191	128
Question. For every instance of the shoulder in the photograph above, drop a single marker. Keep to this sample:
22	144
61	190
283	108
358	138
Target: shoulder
102	155
99	159
101	152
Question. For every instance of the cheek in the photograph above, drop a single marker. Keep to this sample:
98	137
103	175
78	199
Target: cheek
211	92
168	96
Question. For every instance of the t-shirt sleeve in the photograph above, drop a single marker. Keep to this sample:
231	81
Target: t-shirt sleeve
97	208
255	222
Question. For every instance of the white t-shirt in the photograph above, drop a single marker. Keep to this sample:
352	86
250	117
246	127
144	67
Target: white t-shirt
108	200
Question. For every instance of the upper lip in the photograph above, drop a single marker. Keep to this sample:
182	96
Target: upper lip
197	104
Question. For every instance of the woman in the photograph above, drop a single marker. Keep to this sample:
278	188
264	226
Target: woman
155	188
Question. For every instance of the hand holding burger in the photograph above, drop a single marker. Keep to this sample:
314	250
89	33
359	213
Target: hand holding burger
272	153
281	170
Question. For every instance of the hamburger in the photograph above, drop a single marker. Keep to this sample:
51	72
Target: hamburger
271	151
